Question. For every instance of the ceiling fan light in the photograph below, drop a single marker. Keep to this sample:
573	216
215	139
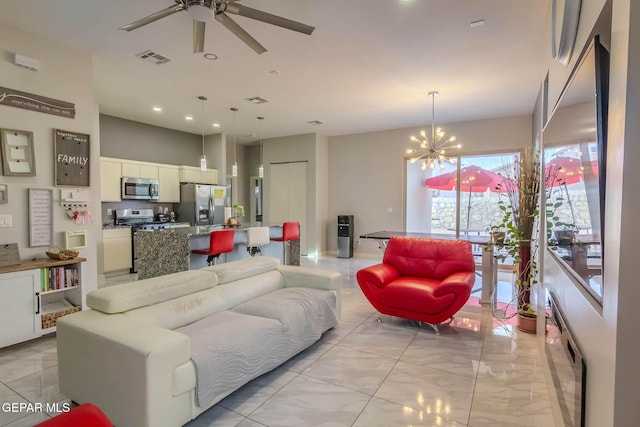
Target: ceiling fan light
200	10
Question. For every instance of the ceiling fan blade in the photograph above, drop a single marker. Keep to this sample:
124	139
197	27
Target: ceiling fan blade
258	15
236	29
198	36
153	17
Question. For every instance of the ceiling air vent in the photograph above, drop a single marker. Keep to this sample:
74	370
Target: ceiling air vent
256	100
153	57
315	122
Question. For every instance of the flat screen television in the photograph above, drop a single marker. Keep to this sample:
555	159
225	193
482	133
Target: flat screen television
574	155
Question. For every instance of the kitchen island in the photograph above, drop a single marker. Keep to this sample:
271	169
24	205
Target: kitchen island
161	252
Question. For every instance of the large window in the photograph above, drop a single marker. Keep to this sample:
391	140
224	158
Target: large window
437	204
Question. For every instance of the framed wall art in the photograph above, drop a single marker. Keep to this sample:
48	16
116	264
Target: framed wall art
71	158
40	217
18	158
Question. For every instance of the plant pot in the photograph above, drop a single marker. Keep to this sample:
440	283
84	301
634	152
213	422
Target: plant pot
527	324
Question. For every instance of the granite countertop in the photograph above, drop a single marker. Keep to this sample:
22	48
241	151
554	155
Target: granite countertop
202	230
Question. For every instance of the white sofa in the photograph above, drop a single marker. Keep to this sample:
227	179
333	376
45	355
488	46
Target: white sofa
131	354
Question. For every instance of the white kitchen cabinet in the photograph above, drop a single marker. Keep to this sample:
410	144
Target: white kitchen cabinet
139	170
31	294
195	175
210	176
110	174
169	177
116	249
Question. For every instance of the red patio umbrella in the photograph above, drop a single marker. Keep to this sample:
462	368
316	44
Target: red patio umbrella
563	171
472	179
566	170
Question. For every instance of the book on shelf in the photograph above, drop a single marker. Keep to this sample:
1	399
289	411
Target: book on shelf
55	278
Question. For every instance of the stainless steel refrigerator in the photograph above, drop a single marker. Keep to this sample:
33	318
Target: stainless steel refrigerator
202	204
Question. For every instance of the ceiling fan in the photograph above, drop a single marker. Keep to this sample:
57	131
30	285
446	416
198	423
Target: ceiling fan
204	10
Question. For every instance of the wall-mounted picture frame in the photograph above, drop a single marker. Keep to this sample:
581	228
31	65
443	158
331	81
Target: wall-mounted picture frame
18	158
71	158
40	217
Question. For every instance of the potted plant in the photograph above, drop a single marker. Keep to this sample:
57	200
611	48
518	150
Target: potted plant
238	212
519	222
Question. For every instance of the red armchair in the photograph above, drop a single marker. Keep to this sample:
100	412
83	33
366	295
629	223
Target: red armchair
427	280
85	415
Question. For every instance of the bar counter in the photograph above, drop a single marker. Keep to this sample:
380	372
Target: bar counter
161	252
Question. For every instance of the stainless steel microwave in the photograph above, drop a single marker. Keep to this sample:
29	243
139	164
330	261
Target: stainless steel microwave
140	188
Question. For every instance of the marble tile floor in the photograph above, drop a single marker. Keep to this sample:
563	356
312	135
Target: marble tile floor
480	372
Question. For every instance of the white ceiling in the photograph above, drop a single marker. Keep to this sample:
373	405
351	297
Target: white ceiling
368	66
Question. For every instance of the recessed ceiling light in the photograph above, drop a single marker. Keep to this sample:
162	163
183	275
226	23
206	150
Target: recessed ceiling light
188	117
216	125
211	56
157	109
478	23
274	71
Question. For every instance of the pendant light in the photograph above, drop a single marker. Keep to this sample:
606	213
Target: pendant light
434	150
203	159
261	167
234	168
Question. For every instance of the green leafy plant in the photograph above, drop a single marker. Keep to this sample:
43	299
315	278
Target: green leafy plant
519	222
238	211
558	231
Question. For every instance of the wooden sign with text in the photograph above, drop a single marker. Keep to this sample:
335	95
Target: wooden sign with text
41	104
71	157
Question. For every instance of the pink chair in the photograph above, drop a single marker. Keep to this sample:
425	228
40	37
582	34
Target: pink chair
290	231
85	415
220	241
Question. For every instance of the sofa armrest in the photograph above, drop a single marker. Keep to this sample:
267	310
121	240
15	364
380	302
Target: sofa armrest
312	278
460	282
123	366
379	275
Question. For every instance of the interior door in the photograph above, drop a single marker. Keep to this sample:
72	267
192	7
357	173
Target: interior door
288	197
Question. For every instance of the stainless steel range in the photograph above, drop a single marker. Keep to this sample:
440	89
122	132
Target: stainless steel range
138	220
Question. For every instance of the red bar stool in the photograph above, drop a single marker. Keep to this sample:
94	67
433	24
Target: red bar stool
220	241
290	231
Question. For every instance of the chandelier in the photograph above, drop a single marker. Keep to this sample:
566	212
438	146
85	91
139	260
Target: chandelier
434	150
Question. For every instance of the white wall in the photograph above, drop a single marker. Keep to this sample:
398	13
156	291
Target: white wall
366	176
65	74
607	335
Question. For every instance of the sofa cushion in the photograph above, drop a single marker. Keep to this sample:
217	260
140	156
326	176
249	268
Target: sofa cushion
433	258
415	294
237	270
305	313
181	311
140	293
229	349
